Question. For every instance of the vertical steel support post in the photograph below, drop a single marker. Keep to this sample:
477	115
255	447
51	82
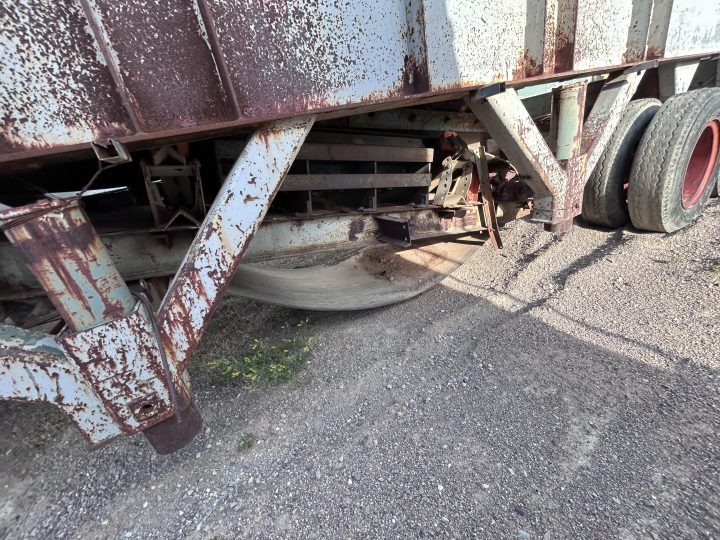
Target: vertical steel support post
568	112
675	77
73	266
225	234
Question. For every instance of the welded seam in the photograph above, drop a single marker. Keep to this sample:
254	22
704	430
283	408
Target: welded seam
218	56
100	39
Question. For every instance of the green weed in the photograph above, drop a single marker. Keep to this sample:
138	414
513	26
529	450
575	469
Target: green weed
678	258
248	440
268	363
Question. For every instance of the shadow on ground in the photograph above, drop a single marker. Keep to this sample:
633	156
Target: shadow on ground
469	411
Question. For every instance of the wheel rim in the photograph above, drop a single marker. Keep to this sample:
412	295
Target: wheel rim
701	164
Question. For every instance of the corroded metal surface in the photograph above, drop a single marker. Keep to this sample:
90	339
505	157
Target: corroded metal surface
599	126
145	255
144	70
511	126
112	357
226	232
557	189
121	360
34	368
65	254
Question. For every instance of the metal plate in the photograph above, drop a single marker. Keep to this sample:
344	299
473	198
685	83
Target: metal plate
150	70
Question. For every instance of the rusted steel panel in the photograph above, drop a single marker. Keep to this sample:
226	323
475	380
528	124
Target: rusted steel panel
472	44
121	360
160	53
315	54
67	257
145	70
693	27
226	232
55	88
601	31
419	120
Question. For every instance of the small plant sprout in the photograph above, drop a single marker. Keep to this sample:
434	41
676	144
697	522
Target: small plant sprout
247	441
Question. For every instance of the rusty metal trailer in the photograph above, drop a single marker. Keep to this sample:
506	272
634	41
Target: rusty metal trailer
149	147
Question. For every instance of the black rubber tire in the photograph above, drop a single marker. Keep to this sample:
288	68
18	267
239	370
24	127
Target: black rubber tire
605	197
658	173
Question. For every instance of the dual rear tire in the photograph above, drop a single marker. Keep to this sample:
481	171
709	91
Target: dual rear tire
661	165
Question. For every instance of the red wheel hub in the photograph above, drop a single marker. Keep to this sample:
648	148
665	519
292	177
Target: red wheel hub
702	164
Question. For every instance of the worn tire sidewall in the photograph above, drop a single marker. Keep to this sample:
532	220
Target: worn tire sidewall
677	216
622	167
613	211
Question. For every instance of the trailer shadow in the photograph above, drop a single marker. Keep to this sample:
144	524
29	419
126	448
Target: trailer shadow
449	414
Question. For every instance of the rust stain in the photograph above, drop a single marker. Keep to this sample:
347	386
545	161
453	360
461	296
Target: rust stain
356	227
654	53
526	67
60	248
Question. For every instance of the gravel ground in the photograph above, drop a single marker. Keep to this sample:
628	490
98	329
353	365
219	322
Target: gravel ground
569	389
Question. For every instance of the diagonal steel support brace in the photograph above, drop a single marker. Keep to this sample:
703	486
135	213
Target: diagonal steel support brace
557	186
225	234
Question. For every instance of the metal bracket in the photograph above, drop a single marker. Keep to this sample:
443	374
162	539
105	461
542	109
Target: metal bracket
394	230
111	151
33	368
122	362
174	192
478	160
481	94
642	66
451	190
